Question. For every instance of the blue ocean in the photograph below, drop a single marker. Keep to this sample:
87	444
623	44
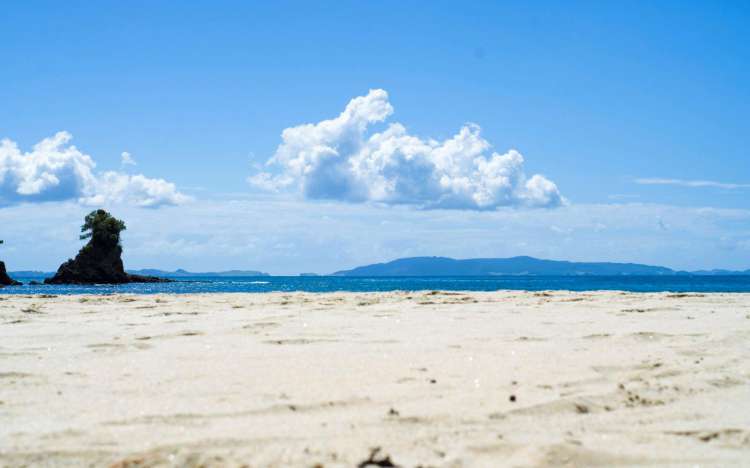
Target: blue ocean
261	284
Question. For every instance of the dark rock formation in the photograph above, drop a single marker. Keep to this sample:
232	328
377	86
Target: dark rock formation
99	261
6	280
96	265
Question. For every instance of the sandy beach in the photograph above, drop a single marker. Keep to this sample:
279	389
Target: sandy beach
383	379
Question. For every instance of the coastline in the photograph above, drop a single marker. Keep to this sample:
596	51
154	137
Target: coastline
331	284
299	379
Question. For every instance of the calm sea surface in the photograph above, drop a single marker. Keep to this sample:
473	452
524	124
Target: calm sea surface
334	283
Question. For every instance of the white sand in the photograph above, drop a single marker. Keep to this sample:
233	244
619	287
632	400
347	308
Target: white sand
600	379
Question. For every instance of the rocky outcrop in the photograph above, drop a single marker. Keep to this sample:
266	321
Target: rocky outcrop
98	265
100	260
6	280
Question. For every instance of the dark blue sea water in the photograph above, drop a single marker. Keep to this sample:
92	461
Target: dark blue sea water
335	283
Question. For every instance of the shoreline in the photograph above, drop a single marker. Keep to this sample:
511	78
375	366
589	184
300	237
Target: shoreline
446	378
55	294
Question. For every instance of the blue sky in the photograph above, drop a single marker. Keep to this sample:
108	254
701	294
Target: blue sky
636	113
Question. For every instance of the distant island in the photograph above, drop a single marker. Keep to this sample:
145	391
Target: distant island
515	266
182	273
26	274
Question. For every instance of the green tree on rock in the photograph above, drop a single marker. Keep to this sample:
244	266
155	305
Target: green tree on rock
102	228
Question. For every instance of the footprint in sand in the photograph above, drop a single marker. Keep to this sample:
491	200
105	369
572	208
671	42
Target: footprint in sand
597	336
300	341
261	325
173	335
105	346
15	375
731	437
649	336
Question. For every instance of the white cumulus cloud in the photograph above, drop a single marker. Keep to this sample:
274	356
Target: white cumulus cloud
55	170
341	159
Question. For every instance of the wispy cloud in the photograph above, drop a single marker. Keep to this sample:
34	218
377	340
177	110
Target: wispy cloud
342	159
126	159
691	183
623	196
